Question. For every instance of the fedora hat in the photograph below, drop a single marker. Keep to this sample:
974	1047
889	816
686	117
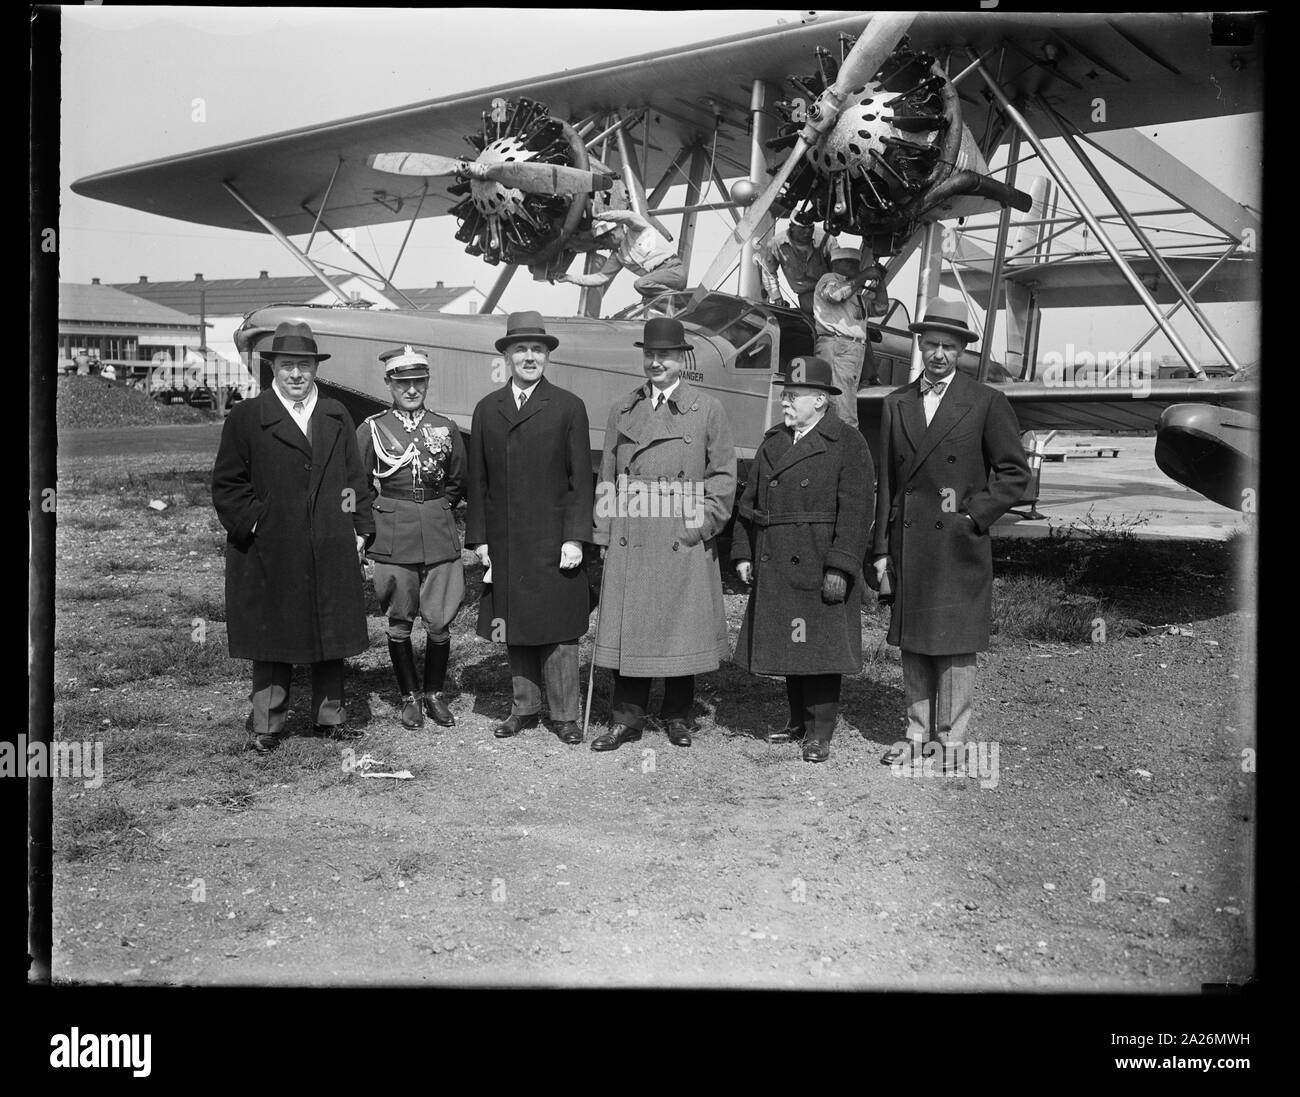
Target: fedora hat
404	364
526	327
946	316
663	333
294	337
808	372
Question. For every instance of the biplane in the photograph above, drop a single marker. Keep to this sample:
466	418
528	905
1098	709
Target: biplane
875	125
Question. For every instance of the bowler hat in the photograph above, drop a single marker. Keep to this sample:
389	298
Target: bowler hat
526	327
946	316
810	373
294	337
663	333
404	363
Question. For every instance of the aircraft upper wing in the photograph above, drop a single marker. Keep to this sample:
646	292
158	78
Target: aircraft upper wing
1148	68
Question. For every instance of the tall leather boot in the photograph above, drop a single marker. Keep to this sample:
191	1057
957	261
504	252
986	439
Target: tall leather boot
403	658
435	677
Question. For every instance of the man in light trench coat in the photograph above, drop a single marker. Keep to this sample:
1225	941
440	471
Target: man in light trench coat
951	464
667	483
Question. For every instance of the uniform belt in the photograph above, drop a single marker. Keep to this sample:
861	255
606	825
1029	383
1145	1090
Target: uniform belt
790	518
840	335
410	496
662	262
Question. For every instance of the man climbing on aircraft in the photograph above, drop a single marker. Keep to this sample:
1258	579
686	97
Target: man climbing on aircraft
640	247
840	317
951	464
416	461
803	262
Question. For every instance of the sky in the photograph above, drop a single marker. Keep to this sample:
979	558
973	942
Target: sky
130	75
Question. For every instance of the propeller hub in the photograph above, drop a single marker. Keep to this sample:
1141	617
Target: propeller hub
860	129
493	198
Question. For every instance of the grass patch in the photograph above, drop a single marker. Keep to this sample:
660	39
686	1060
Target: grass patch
1036	608
94	592
94	522
192	603
99	826
175	486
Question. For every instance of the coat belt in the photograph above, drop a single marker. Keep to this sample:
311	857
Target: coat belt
762	518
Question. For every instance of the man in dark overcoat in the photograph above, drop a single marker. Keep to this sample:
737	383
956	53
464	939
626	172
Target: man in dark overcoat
290	489
951	464
416	461
667	483
528	517
800	538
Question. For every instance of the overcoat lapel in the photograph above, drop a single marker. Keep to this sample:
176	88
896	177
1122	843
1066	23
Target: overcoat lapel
325	431
541	396
954	406
281	422
810	446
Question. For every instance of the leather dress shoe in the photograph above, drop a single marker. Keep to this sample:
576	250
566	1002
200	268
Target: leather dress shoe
615	737
568	731
513	725
788	734
816	750
263	744
336	731
679	733
436	709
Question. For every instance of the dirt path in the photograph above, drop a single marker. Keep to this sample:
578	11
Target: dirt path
1109	849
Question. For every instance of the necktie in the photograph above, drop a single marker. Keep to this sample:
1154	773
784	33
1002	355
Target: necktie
938	386
659	400
523	399
298	406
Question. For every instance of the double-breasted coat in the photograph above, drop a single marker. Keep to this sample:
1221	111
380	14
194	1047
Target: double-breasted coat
530	481
667	484
968	461
410	530
805	508
294	586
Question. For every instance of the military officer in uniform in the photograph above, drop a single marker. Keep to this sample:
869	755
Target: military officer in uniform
416	462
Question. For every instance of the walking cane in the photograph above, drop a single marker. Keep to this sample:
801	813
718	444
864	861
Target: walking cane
591	674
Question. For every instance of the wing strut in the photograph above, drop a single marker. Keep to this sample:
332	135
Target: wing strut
1063	181
295	252
362	259
999	262
1136	230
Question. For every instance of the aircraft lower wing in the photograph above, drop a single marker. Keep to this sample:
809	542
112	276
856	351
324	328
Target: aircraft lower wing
1096	282
1042	407
1148	69
1207	432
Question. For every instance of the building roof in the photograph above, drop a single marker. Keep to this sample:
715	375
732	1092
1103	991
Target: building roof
96	304
238	296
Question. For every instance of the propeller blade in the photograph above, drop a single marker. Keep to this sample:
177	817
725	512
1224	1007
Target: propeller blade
537	178
869	52
415	163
